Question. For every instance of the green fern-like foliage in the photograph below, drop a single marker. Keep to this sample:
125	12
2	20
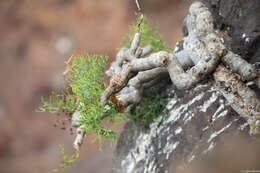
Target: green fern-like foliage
67	159
85	78
149	35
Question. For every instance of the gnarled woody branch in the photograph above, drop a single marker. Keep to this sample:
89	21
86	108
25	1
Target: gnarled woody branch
79	137
201	44
186	80
240	66
243	100
202	50
202	47
132	93
124	56
130	69
80	133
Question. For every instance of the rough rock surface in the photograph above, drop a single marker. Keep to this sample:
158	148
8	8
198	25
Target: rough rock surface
193	126
240	19
200	121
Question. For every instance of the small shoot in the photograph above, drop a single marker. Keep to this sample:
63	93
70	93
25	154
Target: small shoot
149	35
85	83
67	159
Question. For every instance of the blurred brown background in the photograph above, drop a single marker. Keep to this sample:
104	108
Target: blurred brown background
36	38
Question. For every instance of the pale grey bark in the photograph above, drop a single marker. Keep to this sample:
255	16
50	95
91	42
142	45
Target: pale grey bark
79	137
129	63
239	65
201	52
141	81
138	5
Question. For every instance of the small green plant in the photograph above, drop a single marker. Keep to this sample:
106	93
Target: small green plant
85	79
85	84
149	35
152	105
67	159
